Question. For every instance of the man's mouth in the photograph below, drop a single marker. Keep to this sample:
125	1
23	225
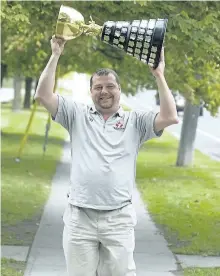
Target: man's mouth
104	98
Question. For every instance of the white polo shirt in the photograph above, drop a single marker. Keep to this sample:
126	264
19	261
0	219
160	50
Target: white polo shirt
103	162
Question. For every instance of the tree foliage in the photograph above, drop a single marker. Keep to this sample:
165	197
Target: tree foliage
192	44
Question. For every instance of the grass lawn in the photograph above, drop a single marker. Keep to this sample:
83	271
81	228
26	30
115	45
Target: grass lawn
12	268
184	202
26	185
202	272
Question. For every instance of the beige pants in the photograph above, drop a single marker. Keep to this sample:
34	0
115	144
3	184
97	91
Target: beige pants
99	243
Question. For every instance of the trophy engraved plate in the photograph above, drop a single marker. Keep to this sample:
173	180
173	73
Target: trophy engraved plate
142	39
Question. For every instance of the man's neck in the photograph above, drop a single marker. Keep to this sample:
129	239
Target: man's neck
105	117
108	113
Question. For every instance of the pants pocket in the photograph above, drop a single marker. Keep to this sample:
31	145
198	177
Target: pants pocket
71	214
128	212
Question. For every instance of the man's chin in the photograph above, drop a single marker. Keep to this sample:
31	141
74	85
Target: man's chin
106	106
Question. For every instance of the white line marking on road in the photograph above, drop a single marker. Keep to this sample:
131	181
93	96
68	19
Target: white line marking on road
204	133
181	121
208	135
175	134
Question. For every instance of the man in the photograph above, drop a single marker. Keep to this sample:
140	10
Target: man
98	237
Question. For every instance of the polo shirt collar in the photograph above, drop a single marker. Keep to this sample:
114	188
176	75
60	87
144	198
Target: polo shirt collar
119	113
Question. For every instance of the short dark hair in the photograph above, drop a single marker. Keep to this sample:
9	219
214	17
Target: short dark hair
105	72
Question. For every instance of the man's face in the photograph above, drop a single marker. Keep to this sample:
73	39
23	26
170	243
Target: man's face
105	92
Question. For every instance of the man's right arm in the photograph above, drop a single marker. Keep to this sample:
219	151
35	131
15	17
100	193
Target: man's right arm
44	93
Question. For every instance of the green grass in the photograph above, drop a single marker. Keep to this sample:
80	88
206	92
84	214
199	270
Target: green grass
11	267
26	185
125	107
184	202
202	272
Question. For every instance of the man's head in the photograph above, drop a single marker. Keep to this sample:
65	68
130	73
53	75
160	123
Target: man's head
105	90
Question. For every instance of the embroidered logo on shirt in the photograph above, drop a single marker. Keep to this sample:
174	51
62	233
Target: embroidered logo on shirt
119	125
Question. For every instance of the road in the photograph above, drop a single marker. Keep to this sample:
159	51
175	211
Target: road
208	130
7	94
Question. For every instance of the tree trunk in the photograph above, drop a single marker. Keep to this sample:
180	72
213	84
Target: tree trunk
27	97
188	135
36	84
16	104
3	72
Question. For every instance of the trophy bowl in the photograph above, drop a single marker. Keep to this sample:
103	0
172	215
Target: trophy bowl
69	23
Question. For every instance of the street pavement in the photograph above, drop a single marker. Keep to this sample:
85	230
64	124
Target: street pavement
6	94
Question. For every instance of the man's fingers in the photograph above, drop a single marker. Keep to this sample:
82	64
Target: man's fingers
60	41
53	38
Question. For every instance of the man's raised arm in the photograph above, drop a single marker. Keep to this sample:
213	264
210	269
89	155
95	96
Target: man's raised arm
168	114
44	93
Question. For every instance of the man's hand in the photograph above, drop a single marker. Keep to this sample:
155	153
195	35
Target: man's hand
57	45
159	71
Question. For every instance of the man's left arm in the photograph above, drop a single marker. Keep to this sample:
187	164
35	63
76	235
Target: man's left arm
168	114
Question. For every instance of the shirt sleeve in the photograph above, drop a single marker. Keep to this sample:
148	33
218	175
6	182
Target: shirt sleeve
66	112
145	125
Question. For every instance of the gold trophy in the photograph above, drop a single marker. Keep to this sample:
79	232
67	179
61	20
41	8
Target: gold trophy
142	39
71	24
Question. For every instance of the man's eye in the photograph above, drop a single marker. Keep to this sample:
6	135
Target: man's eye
98	87
110	86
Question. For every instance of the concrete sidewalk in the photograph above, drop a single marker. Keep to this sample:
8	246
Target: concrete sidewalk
152	256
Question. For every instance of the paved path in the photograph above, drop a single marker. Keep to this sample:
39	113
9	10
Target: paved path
153	258
46	255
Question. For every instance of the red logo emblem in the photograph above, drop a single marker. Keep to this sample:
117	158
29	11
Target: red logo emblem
119	125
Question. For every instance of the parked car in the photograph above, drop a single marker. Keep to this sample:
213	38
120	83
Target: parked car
180	102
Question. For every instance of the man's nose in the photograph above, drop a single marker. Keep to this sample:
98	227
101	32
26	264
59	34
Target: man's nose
104	90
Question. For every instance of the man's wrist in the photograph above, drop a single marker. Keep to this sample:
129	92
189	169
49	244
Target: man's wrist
55	56
159	76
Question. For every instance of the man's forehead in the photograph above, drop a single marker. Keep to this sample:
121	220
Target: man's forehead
104	78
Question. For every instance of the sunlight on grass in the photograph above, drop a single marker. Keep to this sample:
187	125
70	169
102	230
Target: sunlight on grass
11	267
202	272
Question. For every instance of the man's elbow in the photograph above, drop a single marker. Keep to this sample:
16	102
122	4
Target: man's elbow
36	97
174	120
39	95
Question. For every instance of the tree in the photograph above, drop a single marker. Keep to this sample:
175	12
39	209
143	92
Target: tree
12	21
27	97
197	73
192	48
24	38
